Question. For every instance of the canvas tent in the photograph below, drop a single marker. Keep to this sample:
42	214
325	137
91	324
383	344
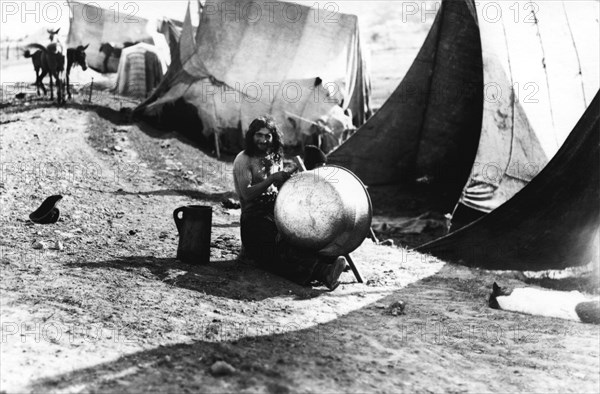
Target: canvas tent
552	223
171	29
94	25
239	68
487	102
140	70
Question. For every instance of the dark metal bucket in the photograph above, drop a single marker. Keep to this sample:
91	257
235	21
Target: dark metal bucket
194	223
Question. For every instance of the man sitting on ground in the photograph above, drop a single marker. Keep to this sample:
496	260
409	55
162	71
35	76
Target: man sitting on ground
257	173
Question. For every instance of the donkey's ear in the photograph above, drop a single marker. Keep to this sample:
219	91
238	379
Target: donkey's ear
85	47
496	288
56	32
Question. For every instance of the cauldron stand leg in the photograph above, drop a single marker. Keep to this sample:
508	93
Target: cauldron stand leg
354	269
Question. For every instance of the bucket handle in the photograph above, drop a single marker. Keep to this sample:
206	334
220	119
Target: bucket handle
177	219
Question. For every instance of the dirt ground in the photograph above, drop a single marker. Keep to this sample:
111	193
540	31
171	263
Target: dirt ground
114	311
106	307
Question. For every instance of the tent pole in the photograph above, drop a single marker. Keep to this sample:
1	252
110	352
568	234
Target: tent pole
217	146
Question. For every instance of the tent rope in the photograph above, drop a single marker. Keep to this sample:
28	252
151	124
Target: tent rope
512	104
576	54
539	35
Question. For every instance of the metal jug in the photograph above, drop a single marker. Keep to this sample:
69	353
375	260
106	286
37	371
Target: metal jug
194	223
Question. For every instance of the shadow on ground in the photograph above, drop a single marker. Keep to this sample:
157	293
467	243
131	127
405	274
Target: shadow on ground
221	278
195	194
367	350
119	117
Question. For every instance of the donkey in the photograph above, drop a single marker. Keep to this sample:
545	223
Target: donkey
75	57
49	60
36	58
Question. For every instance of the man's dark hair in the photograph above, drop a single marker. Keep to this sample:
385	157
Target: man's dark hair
268	123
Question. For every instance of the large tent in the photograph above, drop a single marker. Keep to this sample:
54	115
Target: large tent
94	25
288	61
491	96
552	223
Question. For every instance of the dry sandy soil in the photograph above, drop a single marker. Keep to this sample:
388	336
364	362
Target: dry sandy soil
114	311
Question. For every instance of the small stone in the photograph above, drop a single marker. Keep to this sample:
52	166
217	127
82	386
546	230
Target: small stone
117	148
397	308
221	368
58	245
38	245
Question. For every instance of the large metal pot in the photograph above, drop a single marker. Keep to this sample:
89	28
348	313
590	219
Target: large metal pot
326	209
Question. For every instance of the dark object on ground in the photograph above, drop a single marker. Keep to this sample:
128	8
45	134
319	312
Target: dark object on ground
230	203
313	157
397	308
588	312
20	96
47	213
496	292
194	224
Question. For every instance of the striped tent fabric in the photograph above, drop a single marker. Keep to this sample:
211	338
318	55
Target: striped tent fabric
140	71
492	95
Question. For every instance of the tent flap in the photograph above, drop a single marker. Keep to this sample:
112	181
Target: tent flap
552	223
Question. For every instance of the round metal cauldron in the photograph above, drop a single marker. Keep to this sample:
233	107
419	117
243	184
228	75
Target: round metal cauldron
326	209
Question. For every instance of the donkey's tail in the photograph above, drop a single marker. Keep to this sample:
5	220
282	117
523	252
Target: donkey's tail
37	46
27	53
